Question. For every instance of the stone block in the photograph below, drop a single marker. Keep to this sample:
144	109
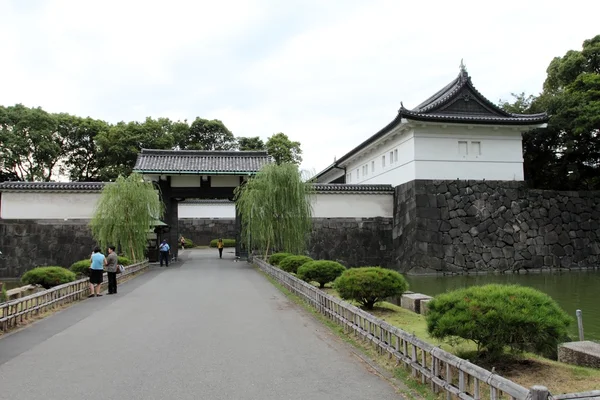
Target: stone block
424	304
583	354
412	301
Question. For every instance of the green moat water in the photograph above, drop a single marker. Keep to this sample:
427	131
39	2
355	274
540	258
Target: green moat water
573	290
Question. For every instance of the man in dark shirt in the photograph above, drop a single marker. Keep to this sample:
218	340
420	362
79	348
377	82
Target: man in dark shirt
111	270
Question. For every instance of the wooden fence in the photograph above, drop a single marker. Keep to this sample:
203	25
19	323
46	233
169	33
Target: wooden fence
17	311
443	371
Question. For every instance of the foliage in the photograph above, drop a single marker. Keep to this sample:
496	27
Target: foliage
48	276
124	261
226	242
283	150
275	208
30	146
368	285
566	154
495	316
188	243
124	214
276	258
207	134
81	267
322	271
3	294
292	263
251	143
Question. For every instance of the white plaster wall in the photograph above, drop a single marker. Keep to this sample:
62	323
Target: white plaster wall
28	205
353	205
224	181
478	152
206	210
185	181
396	172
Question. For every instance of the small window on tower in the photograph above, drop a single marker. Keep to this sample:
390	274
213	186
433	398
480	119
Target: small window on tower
463	149
372	166
476	148
396	155
391	157
383	161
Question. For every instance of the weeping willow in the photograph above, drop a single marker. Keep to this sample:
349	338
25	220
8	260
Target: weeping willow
275	209
124	215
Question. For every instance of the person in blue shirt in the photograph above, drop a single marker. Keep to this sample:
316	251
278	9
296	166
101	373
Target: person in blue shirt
164	249
98	261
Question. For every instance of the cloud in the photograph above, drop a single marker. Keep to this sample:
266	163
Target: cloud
328	74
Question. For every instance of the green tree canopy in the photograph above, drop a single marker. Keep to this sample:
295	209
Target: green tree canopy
275	207
566	154
30	146
207	134
250	143
124	215
283	150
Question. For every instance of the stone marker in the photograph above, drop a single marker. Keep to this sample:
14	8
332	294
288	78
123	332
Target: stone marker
412	301
425	306
584	354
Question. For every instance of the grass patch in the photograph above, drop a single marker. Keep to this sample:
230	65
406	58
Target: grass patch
527	370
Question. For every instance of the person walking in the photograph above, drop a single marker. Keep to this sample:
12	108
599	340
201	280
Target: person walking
112	261
98	261
182	241
164	252
220	247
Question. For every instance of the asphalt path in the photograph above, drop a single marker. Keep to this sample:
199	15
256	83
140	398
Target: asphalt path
204	328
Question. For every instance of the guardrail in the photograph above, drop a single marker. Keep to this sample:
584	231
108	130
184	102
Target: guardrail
441	370
16	311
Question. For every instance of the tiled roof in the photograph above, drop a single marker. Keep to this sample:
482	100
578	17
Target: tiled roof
460	101
51	186
200	162
346	188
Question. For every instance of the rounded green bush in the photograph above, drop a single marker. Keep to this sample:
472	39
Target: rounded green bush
188	243
368	285
498	316
81	268
226	242
292	263
48	276
323	271
276	258
124	261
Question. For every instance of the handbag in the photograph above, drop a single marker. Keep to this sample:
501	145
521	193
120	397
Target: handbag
120	269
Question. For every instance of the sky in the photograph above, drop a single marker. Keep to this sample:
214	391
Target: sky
329	73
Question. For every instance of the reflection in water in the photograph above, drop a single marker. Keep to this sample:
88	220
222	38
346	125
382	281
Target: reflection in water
572	290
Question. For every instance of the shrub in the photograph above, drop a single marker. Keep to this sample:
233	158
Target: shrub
276	258
124	260
188	243
81	268
496	316
368	285
3	294
48	276
323	271
292	263
226	242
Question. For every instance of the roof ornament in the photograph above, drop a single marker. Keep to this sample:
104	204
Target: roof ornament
463	70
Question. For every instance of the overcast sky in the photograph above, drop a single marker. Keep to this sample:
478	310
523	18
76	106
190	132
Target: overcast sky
328	73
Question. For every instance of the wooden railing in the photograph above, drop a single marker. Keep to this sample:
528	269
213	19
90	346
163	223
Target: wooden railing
441	370
17	311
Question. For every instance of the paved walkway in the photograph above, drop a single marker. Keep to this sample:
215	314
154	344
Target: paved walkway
202	329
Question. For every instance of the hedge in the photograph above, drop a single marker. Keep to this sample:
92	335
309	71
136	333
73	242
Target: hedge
48	276
498	316
369	285
292	263
276	258
82	267
188	243
322	271
226	242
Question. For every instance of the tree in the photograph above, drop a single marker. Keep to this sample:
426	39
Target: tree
120	144
250	143
275	208
82	158
124	214
566	155
283	150
207	135
30	146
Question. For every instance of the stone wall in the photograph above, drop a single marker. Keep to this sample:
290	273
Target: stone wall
353	242
26	244
472	226
405	225
202	230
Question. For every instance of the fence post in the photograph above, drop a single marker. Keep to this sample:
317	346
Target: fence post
580	324
539	393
